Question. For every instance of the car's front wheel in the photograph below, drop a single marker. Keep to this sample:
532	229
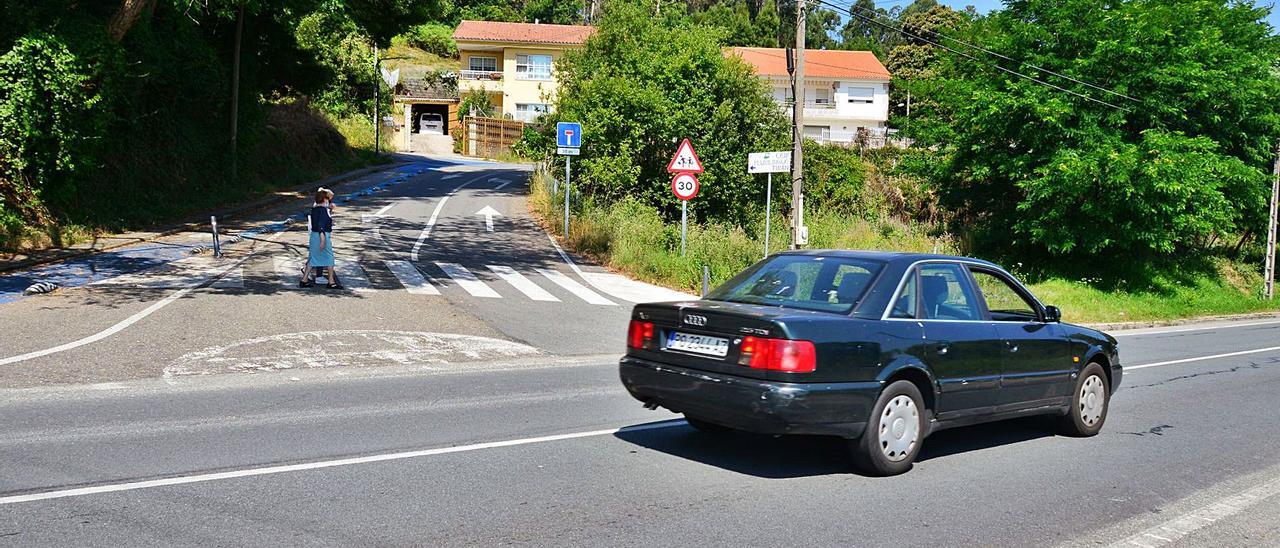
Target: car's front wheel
894	432
1089	403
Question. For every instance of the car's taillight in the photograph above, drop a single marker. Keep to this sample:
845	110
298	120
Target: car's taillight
640	335
778	355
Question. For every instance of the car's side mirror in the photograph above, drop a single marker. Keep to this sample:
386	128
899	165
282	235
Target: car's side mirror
1052	314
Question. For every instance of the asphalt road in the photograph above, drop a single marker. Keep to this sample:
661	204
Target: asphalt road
256	413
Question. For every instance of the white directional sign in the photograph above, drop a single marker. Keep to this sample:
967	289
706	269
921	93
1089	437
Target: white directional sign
685	160
685	185
489	213
769	162
391	77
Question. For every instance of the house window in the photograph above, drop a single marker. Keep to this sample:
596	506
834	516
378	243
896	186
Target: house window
483	64
533	67
862	95
528	112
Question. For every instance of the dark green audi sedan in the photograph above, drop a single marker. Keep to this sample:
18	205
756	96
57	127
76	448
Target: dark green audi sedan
879	348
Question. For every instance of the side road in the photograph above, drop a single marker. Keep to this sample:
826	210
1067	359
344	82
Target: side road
105	242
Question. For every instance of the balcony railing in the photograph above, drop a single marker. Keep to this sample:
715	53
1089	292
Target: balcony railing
495	75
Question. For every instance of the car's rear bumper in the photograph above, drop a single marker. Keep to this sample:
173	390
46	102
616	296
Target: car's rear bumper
753	405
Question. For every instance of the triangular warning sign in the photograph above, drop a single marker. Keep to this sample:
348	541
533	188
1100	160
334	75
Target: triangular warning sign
685	160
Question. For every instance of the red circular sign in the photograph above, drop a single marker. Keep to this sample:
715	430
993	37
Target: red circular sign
685	185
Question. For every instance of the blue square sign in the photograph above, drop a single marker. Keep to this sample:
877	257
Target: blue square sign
568	134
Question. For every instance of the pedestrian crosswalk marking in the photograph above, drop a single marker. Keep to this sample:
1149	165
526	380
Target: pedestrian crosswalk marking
350	274
413	280
468	281
522	284
574	287
180	274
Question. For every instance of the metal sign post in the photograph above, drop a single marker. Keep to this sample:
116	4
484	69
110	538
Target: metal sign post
768	163
568	143
566	196
685	184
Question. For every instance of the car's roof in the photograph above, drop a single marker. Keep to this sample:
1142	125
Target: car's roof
893	257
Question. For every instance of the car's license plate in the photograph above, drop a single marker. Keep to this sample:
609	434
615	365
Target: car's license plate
698	344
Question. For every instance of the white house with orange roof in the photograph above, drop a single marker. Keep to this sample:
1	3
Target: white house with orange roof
844	91
515	62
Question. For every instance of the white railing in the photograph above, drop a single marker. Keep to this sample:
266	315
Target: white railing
528	116
480	75
534	75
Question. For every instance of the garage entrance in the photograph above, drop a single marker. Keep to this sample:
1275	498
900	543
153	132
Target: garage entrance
430	119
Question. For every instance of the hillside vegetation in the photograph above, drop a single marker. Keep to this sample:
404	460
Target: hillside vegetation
1141	200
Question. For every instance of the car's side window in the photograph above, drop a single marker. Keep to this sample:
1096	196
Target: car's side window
945	293
1004	302
905	306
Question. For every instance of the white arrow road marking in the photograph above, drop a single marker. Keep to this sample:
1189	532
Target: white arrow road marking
574	287
468	281
488	213
522	284
414	281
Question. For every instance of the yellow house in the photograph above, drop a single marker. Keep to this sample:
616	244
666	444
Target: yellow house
515	63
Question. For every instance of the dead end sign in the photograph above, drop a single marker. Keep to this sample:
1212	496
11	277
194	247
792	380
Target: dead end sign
685	160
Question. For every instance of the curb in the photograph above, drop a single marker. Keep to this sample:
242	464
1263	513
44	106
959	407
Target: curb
63	254
1124	326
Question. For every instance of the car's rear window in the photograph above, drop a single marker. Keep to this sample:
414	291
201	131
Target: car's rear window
826	284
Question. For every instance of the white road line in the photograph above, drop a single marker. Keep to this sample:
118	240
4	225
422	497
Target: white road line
426	232
413	280
1181	526
268	470
564	255
500	187
468	281
574	287
1186	329
451	176
123	324
1201	358
522	284
380	212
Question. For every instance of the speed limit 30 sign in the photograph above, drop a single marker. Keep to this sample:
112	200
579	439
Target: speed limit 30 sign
685	185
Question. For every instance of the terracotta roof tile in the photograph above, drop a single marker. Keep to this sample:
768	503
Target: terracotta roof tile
525	33
861	65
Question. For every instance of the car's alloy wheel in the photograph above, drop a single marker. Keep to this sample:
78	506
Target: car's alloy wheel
894	432
899	430
1089	402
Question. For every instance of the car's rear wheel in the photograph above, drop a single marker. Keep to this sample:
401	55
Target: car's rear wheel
707	427
894	432
1089	403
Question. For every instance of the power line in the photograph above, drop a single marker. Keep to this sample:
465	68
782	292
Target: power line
975	59
1012	60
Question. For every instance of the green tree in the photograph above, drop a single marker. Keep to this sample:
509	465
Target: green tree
642	84
1183	158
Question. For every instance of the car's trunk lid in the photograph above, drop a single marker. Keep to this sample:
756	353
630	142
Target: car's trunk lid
694	333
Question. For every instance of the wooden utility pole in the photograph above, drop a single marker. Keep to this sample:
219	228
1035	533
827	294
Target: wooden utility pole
235	92
797	132
1269	289
377	96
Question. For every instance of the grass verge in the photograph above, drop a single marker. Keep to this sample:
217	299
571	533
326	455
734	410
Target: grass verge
632	237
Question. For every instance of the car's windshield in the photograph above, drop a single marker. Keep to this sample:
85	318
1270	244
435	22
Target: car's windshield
827	284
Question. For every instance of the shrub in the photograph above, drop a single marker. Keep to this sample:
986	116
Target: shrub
433	38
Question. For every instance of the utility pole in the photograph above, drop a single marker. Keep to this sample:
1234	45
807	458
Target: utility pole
797	133
377	96
235	92
1269	290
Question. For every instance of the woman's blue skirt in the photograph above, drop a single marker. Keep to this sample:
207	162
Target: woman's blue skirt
317	257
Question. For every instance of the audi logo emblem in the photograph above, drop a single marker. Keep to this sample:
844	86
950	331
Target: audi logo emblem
693	319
